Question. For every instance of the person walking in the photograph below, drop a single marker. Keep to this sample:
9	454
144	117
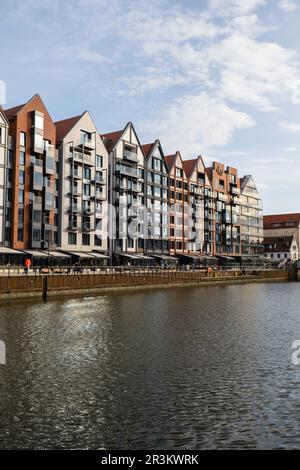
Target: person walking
28	265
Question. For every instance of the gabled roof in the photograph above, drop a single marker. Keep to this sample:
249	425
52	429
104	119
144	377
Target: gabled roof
170	160
147	148
189	166
63	127
12	112
282	219
278	244
111	139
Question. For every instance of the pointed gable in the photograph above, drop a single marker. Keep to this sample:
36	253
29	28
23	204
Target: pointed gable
63	127
111	139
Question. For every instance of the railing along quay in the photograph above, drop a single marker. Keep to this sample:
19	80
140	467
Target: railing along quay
149	271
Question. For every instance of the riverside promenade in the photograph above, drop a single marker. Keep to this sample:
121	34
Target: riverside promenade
15	283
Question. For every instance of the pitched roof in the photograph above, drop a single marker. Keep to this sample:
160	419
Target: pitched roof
282	219
189	166
170	160
278	244
147	148
63	127
12	112
111	139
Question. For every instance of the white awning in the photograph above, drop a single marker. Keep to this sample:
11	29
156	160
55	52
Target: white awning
143	256
36	253
166	257
81	254
99	255
127	255
4	250
57	254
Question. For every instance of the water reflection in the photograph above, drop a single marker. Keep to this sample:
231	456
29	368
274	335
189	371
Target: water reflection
181	368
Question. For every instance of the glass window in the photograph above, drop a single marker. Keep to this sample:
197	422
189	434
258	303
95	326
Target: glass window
21	177
21	196
87	173
22	139
38	141
86	239
72	238
39	122
36	235
22	158
20	234
99	161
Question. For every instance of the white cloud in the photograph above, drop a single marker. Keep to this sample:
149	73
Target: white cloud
293	128
288	6
290	149
235	7
197	123
80	53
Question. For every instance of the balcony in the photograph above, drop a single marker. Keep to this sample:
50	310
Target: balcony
73	228
99	196
88	228
37	201
73	208
88	211
127	171
82	158
222	197
130	155
235	191
86	142
74	175
100	180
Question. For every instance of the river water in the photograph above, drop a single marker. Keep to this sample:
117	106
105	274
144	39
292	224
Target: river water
194	368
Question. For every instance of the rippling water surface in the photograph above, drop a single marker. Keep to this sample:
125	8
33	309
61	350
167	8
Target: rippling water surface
177	369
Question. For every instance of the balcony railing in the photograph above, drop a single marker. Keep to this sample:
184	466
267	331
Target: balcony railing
126	170
130	155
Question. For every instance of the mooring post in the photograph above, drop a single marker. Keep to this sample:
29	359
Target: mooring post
45	287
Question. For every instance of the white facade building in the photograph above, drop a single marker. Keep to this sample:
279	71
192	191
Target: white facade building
83	200
126	193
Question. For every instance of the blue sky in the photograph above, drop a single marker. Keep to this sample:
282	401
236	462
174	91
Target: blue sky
219	78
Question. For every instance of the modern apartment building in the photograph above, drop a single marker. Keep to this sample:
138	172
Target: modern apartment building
251	218
226	190
30	205
3	159
282	225
127	216
178	202
195	173
83	190
156	199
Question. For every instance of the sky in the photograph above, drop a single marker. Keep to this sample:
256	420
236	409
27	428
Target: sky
220	78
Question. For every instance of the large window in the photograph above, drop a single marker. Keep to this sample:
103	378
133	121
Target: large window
21	196
36	235
22	158
22	139
21	177
86	239
86	190
99	161
39	121
86	173
72	239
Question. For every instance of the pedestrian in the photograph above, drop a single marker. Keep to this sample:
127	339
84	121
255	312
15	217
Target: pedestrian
28	265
